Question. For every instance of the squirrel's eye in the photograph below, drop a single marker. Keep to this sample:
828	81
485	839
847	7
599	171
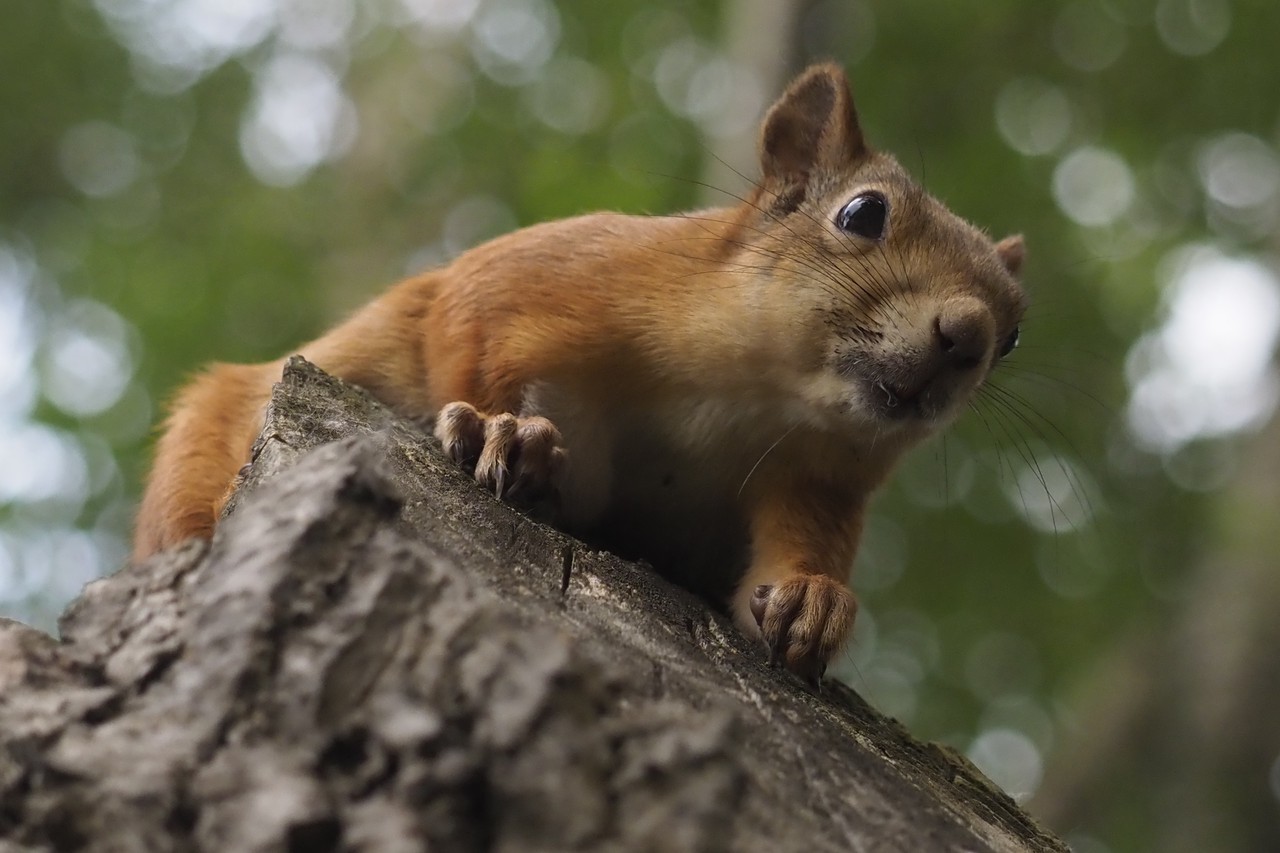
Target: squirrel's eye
1009	343
864	216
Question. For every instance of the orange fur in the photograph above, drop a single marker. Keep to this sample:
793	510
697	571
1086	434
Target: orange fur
742	376
205	441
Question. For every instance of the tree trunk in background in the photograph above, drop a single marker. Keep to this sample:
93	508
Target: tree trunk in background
1199	698
760	37
374	654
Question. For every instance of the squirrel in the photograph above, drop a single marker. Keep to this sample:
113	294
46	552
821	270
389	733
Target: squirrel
719	392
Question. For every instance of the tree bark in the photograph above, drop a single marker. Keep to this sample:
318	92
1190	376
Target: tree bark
374	654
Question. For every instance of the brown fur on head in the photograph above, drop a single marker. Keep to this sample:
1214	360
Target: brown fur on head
904	320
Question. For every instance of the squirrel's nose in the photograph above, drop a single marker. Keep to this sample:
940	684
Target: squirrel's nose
962	333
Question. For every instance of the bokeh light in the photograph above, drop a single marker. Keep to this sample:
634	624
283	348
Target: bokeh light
1093	186
1207	370
1033	116
1193	27
299	119
1010	759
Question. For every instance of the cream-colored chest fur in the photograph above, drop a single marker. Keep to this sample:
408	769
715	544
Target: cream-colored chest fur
662	479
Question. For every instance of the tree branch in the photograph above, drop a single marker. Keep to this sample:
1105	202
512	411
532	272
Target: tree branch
374	654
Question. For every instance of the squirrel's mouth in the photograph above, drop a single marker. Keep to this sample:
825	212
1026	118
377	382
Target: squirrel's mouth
906	392
898	401
929	401
901	403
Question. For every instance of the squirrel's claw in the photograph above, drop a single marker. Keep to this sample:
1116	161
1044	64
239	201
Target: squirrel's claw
803	621
513	457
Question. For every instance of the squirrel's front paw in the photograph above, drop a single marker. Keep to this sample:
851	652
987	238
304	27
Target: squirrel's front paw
515	458
804	620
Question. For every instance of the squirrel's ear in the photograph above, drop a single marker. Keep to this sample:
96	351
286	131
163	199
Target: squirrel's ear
1011	251
813	125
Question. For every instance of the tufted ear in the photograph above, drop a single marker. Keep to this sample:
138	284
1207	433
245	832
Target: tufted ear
1012	251
812	126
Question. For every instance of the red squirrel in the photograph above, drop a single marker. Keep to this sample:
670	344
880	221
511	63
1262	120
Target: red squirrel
718	391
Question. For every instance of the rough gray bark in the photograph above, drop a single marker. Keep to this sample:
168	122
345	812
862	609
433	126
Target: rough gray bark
373	654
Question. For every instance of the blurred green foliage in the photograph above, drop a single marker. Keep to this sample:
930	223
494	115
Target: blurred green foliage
230	179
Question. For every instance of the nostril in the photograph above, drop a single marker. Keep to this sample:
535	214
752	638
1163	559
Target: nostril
960	339
944	340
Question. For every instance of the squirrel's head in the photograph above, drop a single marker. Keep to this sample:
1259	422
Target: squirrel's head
906	307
